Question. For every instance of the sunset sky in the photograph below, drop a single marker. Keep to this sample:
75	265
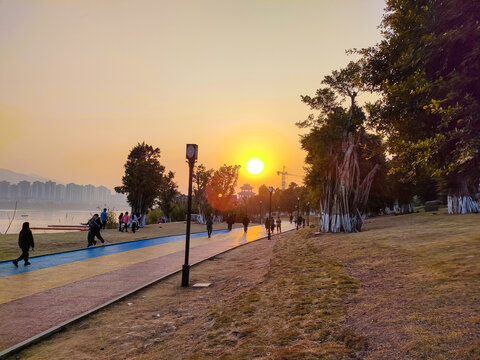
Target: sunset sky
81	82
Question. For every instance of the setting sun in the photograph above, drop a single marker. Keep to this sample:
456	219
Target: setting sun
254	166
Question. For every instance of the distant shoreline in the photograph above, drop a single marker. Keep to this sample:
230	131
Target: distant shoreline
37	205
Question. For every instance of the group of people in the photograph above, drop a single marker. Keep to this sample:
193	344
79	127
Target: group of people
300	221
271	223
126	221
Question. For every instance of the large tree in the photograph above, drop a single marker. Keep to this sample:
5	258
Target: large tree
168	192
201	176
341	164
427	70
221	187
143	177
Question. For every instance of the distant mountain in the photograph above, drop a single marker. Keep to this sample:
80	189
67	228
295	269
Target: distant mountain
13	178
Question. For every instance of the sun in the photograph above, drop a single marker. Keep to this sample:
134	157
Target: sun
254	166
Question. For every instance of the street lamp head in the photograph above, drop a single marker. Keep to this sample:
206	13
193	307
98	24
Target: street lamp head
270	189
298	198
192	152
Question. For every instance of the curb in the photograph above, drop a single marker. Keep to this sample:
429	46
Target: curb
34	339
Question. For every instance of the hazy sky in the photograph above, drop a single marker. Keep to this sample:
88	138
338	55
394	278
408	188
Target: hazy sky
81	82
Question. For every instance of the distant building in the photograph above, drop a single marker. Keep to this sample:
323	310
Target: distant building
246	192
38	190
60	193
50	190
90	193
4	189
24	190
13	192
181	199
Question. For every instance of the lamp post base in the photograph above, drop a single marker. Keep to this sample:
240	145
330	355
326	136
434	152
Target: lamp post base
185	275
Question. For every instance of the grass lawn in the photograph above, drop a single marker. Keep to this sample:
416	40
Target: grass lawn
408	288
56	242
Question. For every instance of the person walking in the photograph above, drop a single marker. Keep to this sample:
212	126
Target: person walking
94	226
272	225
103	218
120	222
245	223
267	223
209	224
291	218
134	223
25	242
125	221
230	221
279	224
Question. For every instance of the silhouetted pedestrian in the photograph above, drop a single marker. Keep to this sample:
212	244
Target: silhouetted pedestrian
103	218
279	224
230	221
245	223
134	223
125	221
272	225
94	226
209	224
267	224
25	242
120	222
291	218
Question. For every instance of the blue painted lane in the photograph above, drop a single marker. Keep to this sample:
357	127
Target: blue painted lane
45	261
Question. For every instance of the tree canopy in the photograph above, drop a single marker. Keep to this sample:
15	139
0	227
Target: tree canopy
221	187
144	181
427	71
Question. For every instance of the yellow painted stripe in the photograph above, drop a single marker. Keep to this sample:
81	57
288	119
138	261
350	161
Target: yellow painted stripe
32	282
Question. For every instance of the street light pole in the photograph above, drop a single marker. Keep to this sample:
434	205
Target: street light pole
270	190
260	212
308	213
192	155
298	210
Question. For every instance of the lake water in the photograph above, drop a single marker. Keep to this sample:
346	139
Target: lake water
42	218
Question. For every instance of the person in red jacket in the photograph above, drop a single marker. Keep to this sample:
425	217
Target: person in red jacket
25	242
125	221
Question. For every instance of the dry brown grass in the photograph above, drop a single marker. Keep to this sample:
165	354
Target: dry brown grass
408	288
56	242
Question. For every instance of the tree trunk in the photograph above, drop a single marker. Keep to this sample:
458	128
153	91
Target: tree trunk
459	201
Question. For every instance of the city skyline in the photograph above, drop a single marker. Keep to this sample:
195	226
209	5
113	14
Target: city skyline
50	191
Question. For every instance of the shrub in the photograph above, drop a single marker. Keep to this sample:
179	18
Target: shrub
153	216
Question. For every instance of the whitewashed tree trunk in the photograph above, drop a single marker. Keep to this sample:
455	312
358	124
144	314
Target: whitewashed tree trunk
461	204
343	206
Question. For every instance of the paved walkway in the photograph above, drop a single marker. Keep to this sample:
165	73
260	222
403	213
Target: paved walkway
56	290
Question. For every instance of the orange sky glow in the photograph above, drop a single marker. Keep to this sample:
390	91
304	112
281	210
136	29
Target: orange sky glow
81	82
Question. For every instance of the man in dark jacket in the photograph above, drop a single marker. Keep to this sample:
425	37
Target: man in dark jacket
245	223
25	242
94	226
209	224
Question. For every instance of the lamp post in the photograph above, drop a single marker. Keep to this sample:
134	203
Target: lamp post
192	155
308	213
298	210
270	190
260	212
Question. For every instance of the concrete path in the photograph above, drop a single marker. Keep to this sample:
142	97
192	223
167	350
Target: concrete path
37	299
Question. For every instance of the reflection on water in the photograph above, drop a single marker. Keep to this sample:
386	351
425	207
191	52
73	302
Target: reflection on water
42	218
